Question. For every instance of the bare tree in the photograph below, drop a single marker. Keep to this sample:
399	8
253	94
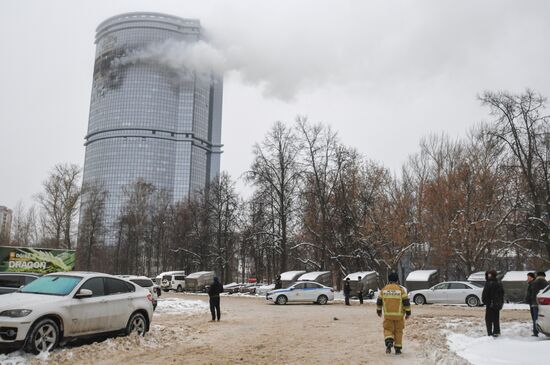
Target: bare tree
522	125
92	225
59	203
321	173
275	171
25	226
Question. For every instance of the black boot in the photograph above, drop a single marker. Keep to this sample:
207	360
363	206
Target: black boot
398	350
389	345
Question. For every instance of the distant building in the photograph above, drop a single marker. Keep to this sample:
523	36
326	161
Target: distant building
146	120
5	224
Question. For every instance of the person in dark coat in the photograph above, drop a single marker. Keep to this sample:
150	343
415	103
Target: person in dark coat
347	290
493	298
214	293
535	286
278	282
360	290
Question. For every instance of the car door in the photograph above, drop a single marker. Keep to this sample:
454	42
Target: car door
439	293
119	299
297	294
312	291
457	293
90	315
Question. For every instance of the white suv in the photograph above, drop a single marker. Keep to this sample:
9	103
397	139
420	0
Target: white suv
63	306
172	280
145	283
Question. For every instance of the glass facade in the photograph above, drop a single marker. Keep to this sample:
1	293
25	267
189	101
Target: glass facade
146	120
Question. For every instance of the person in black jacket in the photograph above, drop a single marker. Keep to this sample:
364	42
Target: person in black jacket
214	293
347	291
535	287
529	300
493	298
278	282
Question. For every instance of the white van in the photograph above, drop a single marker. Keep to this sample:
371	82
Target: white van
172	280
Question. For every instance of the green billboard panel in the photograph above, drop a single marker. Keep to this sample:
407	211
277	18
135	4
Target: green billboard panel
37	260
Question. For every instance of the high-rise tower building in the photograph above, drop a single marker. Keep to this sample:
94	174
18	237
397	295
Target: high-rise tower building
149	120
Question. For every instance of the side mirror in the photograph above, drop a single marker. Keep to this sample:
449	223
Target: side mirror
84	293
291	288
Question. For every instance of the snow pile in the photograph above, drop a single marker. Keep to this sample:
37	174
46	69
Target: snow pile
181	306
14	358
515	346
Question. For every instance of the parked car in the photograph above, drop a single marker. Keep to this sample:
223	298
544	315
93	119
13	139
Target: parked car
302	292
172	280
146	283
63	306
264	289
232	288
543	321
249	288
11	281
449	292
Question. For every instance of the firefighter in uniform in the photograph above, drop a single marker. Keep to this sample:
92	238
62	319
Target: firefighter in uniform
394	301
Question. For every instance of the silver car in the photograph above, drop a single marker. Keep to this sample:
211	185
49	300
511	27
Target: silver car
450	292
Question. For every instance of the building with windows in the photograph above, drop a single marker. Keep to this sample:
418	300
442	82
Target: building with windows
149	119
5	224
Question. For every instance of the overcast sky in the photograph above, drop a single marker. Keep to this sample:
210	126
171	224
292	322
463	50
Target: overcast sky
382	73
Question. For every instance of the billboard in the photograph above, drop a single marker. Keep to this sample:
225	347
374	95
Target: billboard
37	260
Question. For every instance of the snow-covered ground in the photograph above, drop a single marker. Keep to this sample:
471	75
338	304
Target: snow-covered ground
181	306
15	358
514	346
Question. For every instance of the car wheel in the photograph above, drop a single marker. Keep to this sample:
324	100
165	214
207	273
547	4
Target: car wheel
137	324
472	301
43	337
281	299
180	289
322	299
419	299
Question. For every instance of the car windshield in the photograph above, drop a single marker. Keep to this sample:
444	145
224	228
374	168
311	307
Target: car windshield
52	285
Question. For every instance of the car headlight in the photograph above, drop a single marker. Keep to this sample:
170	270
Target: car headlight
16	313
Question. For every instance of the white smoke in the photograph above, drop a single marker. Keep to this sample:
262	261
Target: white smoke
184	58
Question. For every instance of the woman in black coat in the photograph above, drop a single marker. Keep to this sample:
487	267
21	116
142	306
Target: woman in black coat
493	298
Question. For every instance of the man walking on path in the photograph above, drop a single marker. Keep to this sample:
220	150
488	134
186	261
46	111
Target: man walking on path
395	303
347	291
214	293
360	290
535	286
493	298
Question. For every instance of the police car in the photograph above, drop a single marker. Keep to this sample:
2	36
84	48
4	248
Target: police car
308	291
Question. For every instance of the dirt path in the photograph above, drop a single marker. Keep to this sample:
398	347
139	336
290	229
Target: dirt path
255	332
